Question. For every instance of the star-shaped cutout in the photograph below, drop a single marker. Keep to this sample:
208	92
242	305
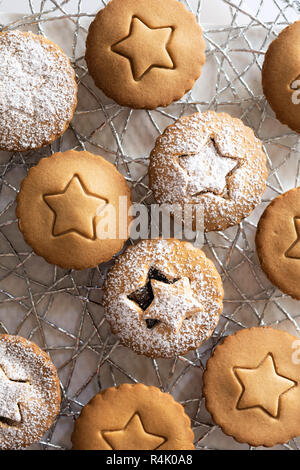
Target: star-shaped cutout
133	437
11	394
145	48
294	250
75	209
262	387
208	171
172	303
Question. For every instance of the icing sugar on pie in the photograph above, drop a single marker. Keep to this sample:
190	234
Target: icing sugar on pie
154	51
133	417
38	91
29	392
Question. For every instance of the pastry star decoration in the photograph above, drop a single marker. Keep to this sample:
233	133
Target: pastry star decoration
11	394
75	209
294	250
133	437
145	48
172	303
262	387
208	170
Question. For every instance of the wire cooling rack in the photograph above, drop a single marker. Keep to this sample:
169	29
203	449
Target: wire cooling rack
61	310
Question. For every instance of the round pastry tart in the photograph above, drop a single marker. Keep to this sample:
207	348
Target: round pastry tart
145	54
278	242
281	76
163	298
133	417
29	393
38	91
211	160
252	386
65	205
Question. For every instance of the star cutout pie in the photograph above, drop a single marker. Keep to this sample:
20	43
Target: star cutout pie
145	48
172	303
208	170
133	437
294	250
75	209
11	394
262	387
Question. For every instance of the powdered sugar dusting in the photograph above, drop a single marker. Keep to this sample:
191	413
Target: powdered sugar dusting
38	91
29	399
176	260
173	183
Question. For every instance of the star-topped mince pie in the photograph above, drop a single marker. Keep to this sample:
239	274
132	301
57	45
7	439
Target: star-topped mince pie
65	205
252	386
145	54
209	160
133	417
163	297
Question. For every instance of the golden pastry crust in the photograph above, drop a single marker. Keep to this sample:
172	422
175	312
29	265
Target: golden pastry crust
62	203
163	325
133	417
29	390
277	242
38	93
145	54
251	386
213	160
281	69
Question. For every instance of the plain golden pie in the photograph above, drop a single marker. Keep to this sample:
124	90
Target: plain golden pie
212	161
29	393
281	76
278	242
252	386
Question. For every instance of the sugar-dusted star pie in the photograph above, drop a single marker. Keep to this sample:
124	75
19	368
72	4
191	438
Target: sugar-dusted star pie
280	76
133	417
172	303
15	390
154	51
278	242
252	386
73	209
210	160
162	298
29	393
65	207
38	93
